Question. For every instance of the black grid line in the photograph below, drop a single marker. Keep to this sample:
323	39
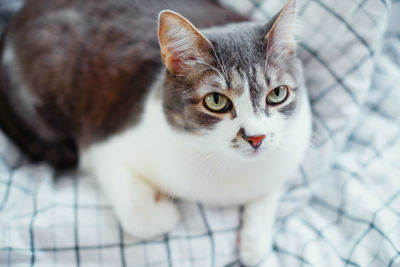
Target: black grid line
122	246
31	231
346	23
76	238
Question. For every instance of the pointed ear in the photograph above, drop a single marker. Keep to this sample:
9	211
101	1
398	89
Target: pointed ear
280	36
182	45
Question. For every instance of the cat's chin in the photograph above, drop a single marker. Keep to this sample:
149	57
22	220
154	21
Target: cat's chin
254	153
250	154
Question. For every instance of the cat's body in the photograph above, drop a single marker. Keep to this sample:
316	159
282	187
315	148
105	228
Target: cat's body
92	47
226	121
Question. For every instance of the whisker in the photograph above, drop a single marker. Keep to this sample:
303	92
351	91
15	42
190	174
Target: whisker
212	68
222	65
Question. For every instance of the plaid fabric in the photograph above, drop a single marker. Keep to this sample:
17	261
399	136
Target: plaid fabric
341	208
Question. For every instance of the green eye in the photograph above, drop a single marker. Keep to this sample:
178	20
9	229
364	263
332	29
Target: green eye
217	103
278	95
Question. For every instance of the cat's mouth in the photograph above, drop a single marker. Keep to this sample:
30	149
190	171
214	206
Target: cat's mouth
251	153
248	151
255	152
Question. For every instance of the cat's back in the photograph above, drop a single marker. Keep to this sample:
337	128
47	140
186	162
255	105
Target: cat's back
82	60
77	71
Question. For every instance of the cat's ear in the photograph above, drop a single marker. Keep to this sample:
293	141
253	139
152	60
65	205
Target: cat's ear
280	36
182	45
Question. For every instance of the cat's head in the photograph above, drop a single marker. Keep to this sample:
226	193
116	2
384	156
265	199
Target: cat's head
234	87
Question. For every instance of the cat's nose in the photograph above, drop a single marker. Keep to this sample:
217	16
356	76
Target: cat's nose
255	141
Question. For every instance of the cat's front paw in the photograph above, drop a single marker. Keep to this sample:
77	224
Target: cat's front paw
253	246
151	220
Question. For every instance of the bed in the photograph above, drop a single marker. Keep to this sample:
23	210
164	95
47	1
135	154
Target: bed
341	208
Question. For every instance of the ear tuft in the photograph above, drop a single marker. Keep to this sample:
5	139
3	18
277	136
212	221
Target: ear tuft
182	45
281	34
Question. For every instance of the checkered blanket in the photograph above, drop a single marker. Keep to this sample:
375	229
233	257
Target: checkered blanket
342	208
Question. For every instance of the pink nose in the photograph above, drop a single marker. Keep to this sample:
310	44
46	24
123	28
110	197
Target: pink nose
255	141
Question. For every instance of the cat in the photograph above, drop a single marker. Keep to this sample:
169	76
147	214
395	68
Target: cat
218	115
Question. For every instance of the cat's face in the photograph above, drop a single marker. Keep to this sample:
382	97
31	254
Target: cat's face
234	88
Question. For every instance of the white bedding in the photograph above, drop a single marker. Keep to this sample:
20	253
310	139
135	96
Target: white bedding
342	208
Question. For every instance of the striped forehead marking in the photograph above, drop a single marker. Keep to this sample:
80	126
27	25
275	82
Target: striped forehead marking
252	80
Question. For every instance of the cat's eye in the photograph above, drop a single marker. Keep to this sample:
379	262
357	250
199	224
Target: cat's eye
216	102
278	95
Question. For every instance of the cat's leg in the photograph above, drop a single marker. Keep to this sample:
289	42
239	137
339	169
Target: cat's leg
257	229
137	204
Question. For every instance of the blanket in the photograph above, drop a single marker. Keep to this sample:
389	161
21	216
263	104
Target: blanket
341	208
